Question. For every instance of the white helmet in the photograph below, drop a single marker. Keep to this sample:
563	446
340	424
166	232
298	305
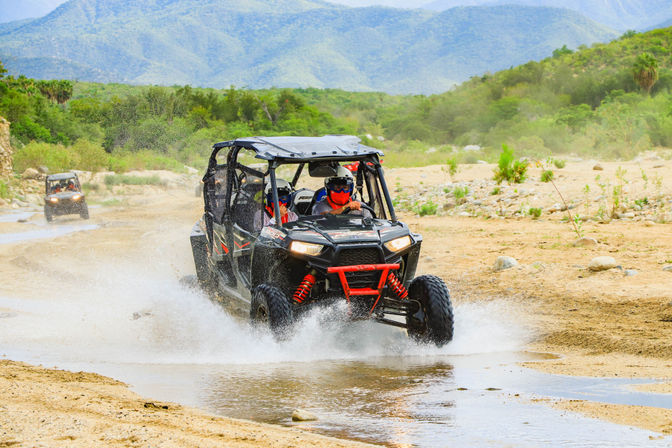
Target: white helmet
343	177
284	190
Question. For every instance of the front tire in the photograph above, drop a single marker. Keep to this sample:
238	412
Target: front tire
48	214
270	306
84	212
433	322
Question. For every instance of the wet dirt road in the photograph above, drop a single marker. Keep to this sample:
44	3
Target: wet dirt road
116	306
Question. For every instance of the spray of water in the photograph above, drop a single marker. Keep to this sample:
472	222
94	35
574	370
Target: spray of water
122	316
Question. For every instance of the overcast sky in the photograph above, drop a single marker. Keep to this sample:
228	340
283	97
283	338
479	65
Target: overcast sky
11	10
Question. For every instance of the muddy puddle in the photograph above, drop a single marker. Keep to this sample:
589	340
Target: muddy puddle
363	381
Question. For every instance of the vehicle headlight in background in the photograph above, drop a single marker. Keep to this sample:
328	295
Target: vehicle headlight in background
303	248
398	244
76	197
53	200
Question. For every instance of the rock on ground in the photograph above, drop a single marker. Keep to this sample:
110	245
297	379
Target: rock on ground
602	263
585	241
504	262
300	415
31	173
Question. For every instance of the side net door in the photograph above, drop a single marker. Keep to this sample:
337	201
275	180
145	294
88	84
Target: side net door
247	217
216	210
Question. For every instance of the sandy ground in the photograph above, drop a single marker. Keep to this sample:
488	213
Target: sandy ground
601	323
51	407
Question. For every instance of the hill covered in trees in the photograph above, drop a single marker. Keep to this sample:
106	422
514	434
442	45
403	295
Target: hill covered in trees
608	101
287	43
611	99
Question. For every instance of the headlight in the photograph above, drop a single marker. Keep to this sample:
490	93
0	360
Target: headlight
76	197
398	244
53	200
300	247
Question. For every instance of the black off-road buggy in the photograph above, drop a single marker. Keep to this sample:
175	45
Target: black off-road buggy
280	271
63	196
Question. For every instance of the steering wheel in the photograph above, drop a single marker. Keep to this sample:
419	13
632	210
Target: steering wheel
364	206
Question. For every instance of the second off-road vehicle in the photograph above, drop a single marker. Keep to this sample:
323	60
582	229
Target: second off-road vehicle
281	270
64	196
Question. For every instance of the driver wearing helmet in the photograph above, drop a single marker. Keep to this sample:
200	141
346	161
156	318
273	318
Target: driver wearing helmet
285	200
339	196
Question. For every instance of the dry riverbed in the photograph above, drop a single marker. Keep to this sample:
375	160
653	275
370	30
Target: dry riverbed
612	323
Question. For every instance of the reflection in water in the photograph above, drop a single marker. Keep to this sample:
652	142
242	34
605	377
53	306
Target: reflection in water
373	401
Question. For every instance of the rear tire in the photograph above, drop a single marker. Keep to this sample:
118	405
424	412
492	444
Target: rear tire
434	320
270	306
84	212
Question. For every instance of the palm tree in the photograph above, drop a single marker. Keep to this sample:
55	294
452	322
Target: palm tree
645	71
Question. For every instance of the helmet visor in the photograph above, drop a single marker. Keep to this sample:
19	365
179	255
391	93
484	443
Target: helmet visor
284	196
340	184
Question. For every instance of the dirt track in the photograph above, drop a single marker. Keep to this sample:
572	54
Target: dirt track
602	323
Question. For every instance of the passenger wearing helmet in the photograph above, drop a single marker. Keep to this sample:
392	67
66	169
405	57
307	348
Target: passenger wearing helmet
285	200
339	200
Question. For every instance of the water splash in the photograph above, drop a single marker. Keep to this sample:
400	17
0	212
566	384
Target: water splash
121	316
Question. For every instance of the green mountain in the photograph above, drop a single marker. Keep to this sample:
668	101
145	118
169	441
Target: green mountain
287	43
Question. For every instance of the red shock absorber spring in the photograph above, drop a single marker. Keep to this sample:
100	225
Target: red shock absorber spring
396	286
304	288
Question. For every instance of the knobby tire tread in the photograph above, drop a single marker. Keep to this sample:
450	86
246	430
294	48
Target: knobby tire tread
279	308
433	294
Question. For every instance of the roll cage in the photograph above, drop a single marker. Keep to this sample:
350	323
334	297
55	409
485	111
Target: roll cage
224	180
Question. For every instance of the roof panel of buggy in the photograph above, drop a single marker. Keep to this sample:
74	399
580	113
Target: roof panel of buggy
302	149
61	176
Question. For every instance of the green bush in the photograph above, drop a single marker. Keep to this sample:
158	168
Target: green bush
534	212
86	186
428	208
547	176
559	163
452	166
460	192
4	190
143	160
92	157
508	169
55	157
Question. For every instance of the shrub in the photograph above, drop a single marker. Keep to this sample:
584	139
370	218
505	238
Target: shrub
460	192
92	157
87	186
495	191
428	208
509	169
143	160
559	163
547	176
4	190
55	157
534	212
452	166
